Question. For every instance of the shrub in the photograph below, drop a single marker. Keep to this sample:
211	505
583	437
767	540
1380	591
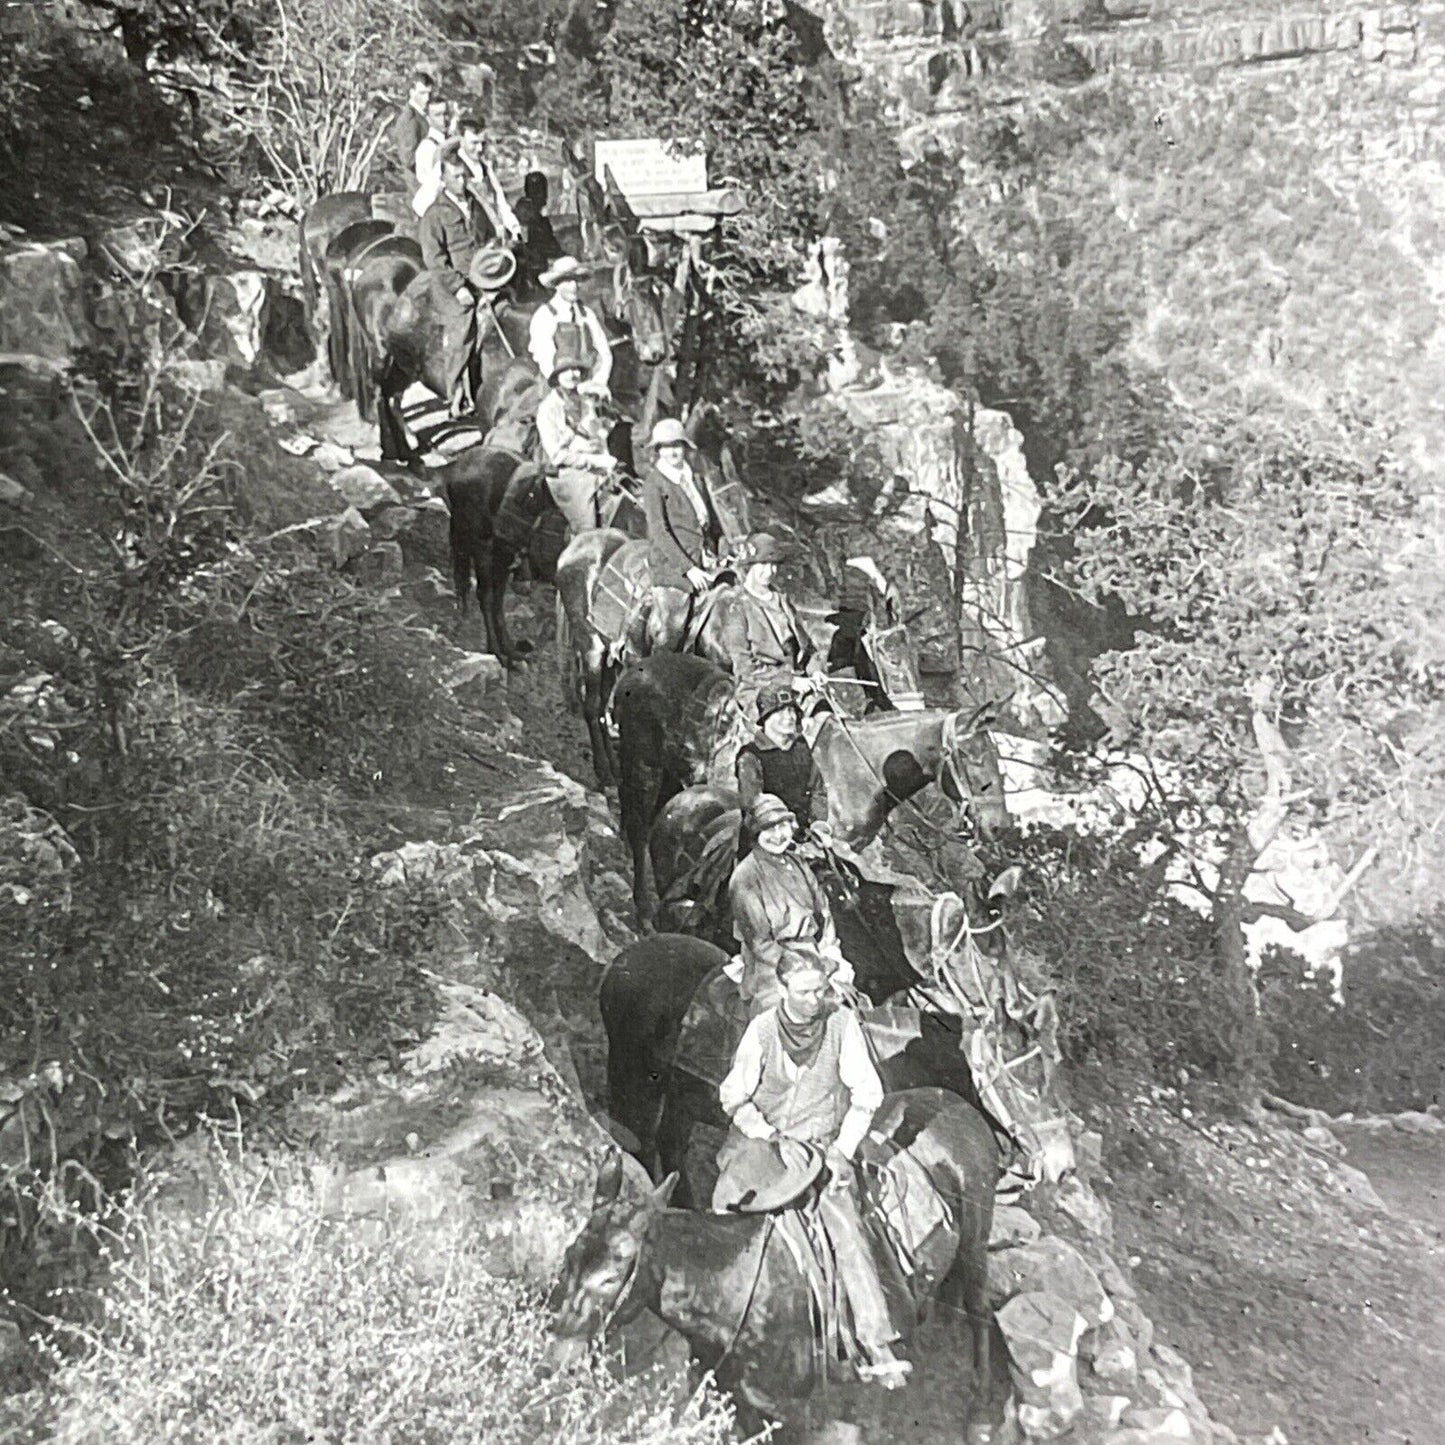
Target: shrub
1137	981
266	1321
1382	1047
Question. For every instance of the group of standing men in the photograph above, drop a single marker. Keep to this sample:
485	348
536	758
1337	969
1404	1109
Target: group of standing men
802	1089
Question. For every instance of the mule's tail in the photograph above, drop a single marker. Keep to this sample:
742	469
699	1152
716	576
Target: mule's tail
569	669
359	362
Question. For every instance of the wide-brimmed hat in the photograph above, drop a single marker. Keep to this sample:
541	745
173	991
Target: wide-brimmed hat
767	810
765	547
761	1175
670	432
565	268
492	268
775	699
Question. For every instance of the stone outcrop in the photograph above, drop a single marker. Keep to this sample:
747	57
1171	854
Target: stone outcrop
42	299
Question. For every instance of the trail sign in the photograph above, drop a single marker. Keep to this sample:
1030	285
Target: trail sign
643	168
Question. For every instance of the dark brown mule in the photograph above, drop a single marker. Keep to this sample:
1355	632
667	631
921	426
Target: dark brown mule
342	254
673	710
501	511
731	1286
868	767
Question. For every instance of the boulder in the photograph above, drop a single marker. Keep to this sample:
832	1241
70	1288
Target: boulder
389	523
1111	1355
1053	1266
363	487
1012	1226
42	301
1358	1188
344	536
1153	1427
1042	1334
474	1024
1321	1139
482	668
1085	1208
200	377
142	247
1415	1122
381	563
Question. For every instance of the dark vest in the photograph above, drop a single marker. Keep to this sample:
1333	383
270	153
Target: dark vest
787	773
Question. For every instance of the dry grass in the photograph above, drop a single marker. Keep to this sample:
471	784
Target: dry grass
261	1319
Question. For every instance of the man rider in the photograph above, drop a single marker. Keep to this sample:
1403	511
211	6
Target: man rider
427	162
566	318
778	760
411	124
776	901
483	183
573	436
802	1074
452	232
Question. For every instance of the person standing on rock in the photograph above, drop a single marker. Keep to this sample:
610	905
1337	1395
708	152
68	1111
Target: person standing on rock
453	235
573	435
776	903
802	1085
483	183
427	163
411	125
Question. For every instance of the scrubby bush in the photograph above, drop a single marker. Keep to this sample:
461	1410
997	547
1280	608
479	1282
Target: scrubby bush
1380	1045
266	1321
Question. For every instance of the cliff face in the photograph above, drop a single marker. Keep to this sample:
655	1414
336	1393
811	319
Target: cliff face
931	53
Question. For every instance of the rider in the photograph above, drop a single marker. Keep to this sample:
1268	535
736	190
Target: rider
540	246
802	1074
762	633
452	232
778	760
567	318
483	183
684	532
776	901
573	435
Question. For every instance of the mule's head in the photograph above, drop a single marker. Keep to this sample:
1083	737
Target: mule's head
971	775
604	1268
645	312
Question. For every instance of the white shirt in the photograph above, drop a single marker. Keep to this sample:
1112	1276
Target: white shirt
542	338
428	164
855	1071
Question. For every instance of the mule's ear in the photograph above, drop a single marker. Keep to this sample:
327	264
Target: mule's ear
984	716
659	1196
1007	882
609	1181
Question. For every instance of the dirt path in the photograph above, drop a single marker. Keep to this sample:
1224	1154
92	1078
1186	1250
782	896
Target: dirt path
1298	1307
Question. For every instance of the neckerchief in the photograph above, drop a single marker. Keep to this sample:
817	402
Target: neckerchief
802	1042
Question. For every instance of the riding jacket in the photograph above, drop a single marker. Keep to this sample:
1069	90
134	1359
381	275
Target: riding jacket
776	900
683	529
451	233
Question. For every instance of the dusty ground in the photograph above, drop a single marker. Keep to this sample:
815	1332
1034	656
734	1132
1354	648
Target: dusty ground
1298	1308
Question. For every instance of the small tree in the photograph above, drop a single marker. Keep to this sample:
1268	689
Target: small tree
1279	577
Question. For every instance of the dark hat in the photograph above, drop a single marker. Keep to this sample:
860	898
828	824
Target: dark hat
764	547
775	699
491	268
761	1175
568	359
767	810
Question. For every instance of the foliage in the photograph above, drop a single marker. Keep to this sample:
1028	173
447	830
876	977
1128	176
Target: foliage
312	99
1267	553
1380	1047
268	1320
1136	980
191	917
161	32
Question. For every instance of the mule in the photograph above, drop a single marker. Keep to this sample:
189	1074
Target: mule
902	943
501	512
342	253
733	1289
868	767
